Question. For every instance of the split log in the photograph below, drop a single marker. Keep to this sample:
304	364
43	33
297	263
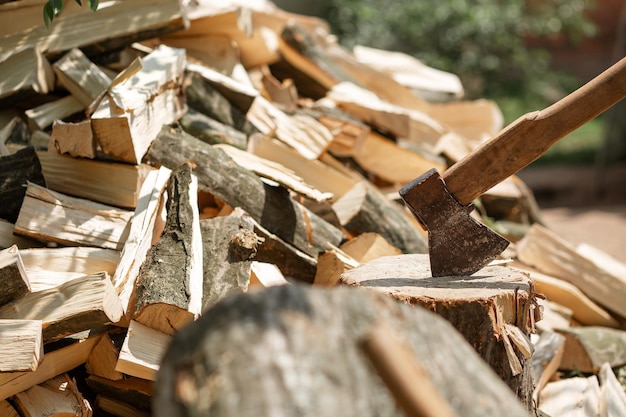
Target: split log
21	345
41	117
612	395
103	358
7	410
103	182
212	131
15	171
169	287
26	72
366	209
495	309
13	279
271	207
553	255
369	246
56	396
315	343
137	105
131	390
114	407
8	239
331	265
142	351
15	134
73	139
574	397
588	348
264	274
81	77
81	304
546	359
54	363
50	216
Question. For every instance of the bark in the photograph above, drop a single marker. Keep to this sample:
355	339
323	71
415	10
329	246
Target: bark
15	171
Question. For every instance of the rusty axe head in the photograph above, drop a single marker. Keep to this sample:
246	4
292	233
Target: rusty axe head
457	243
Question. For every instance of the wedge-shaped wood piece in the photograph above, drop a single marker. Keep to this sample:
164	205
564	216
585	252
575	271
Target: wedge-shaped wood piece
51	216
575	397
142	351
312	336
74	139
131	114
587	348
104	182
612	395
331	264
546	359
369	246
80	304
131	390
264	274
140	238
169	286
26	71
15	170
54	363
271	207
13	278
103	358
495	309
21	345
365	209
80	76
55	397
553	255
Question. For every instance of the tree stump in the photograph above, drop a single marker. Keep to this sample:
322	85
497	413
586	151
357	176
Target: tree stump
296	350
494	309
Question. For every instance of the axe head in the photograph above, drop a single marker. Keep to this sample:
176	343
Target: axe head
458	244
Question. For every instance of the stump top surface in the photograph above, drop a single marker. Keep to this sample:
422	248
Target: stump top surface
408	277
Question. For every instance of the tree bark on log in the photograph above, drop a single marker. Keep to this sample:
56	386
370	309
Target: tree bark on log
272	207
295	350
15	171
13	278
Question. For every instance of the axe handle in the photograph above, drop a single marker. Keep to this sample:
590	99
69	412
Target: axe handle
530	136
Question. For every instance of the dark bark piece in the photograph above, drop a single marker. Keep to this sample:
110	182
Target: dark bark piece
15	171
132	390
272	207
211	131
295	350
169	280
13	279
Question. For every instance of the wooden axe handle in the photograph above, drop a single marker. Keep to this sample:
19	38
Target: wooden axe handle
530	136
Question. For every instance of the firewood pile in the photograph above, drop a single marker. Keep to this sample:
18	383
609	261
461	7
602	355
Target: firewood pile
200	216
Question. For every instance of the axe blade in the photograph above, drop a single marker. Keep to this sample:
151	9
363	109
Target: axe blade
458	245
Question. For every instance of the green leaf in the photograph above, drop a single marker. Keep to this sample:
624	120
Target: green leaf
94	4
48	14
57	6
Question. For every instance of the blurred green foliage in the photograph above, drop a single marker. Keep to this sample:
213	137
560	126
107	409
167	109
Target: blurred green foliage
482	41
52	8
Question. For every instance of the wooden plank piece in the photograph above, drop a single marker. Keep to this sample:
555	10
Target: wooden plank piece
142	351
21	345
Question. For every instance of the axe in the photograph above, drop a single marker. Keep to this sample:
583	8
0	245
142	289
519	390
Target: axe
458	244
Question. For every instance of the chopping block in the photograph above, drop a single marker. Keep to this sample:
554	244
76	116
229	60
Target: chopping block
495	309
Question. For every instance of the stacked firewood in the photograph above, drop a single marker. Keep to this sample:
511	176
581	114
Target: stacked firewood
202	186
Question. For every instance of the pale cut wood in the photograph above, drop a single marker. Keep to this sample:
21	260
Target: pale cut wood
345	128
42	116
114	407
26	70
475	121
7	410
264	274
81	77
51	267
369	246
484	308
13	278
331	265
57	396
108	183
8	239
215	51
588	348
612	396
546	359
142	351
131	114
169	287
74	139
267	168
140	237
21	345
80	304
572	397
102	360
280	92
553	255
54	363
50	216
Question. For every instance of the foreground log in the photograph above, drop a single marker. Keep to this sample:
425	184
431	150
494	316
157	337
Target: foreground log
252	343
494	309
272	207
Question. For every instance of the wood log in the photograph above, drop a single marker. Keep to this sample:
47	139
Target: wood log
13	278
137	105
169	287
103	359
212	131
131	390
331	265
368	246
318	334
588	348
108	183
81	304
7	409
26	71
114	407
553	255
366	209
55	397
270	206
41	117
8	239
80	76
15	171
50	216
576	397
21	345
495	309
142	351
264	274
73	139
54	363
612	395
546	359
